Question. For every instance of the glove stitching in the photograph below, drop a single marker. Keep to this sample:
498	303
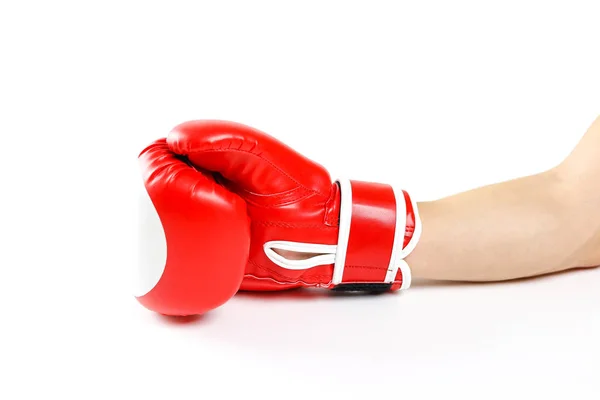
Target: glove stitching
262	158
249	197
318	277
366	267
291	225
331	219
284	277
296	282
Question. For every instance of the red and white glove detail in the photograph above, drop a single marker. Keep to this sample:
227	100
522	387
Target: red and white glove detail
357	233
369	234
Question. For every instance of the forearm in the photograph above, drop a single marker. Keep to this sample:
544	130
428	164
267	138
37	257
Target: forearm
519	228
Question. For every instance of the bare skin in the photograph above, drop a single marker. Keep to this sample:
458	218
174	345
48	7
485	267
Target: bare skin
525	227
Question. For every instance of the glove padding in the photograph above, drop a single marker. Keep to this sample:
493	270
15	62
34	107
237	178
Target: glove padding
357	233
195	236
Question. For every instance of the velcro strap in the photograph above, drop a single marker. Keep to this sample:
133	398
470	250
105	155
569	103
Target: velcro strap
374	288
374	222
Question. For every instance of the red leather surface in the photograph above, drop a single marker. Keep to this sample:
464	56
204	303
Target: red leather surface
207	232
289	197
371	232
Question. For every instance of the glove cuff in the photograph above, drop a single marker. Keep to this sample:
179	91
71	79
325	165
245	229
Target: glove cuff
379	227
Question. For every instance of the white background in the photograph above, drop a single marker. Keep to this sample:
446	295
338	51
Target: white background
437	96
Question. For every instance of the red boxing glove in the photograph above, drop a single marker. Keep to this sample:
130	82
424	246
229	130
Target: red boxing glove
355	235
195	237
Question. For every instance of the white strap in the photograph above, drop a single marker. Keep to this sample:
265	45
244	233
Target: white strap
417	232
398	237
344	230
326	254
406	274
